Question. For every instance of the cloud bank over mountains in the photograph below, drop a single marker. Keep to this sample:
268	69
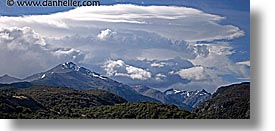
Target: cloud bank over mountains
177	23
160	46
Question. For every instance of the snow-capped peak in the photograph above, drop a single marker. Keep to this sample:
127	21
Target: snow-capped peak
70	65
74	67
203	91
191	98
186	93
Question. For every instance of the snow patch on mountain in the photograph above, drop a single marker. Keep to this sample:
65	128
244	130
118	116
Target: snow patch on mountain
191	98
99	76
43	76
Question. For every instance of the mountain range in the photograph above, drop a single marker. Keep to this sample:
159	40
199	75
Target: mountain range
183	99
6	79
79	78
191	98
73	76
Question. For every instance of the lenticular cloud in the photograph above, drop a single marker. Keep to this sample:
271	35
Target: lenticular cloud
178	23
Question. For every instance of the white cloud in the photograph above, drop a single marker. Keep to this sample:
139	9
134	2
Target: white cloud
24	52
200	78
138	73
160	76
220	63
176	23
194	73
215	56
24	37
68	54
66	51
105	34
119	68
217	65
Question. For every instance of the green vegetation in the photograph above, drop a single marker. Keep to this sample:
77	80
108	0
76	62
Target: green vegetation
47	102
23	107
142	110
60	98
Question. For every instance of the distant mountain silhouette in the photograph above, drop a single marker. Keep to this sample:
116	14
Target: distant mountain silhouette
6	79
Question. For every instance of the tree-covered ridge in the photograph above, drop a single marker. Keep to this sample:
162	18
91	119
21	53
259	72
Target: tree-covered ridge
141	110
60	98
58	102
229	102
22	107
55	102
49	102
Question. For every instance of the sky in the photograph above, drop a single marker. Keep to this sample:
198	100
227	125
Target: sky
182	44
